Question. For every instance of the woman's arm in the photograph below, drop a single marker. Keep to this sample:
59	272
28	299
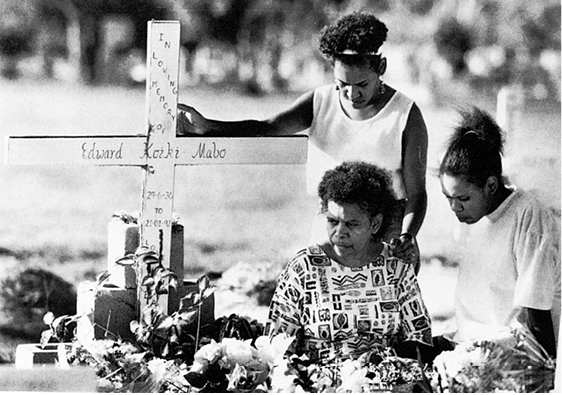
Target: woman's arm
540	324
295	119
286	305
414	163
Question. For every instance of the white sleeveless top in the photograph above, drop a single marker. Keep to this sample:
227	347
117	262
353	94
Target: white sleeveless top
335	138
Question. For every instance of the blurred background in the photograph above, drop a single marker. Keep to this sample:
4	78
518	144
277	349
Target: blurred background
72	67
271	45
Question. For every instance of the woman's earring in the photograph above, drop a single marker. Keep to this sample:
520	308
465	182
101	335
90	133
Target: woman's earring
382	88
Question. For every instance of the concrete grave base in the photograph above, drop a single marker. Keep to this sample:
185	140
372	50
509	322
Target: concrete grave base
106	312
48	379
31	355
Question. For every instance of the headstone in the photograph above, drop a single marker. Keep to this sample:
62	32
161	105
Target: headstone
509	110
158	151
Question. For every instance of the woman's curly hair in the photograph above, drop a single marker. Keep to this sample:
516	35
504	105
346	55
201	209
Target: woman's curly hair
357	32
361	183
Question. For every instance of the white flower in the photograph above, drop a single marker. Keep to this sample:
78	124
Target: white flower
159	368
451	363
352	376
282	380
207	355
239	352
273	350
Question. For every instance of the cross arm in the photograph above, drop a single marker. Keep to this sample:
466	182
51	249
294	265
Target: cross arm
241	150
66	150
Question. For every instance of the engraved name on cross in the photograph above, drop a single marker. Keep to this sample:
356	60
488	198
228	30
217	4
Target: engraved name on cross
158	151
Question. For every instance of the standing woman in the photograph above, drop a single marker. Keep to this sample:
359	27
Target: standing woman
359	117
511	266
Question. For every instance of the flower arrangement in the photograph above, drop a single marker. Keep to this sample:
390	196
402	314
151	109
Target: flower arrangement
512	361
374	371
236	365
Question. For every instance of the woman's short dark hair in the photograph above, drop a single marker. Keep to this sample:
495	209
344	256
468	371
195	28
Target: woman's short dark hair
475	149
354	39
361	183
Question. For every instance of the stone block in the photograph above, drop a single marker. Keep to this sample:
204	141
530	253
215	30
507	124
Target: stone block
29	356
106	312
176	253
122	239
208	307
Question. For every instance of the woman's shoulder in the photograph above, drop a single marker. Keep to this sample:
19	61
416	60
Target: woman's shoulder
521	200
401	99
529	202
325	89
392	264
311	255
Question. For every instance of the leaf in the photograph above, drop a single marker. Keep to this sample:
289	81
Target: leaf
148	281
161	288
188	316
127	260
150	259
168	273
166	350
101	277
208	292
186	304
48	318
45	337
135	327
150	314
59	321
203	283
173	283
142	250
166	323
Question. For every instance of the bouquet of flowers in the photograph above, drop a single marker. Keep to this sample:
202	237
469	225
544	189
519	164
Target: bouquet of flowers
374	371
236	365
513	361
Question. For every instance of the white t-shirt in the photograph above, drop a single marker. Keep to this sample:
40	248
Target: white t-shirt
335	138
511	259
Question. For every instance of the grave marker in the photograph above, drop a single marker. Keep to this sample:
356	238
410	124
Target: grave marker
158	151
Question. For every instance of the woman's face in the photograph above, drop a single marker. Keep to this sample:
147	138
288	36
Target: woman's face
468	201
350	229
357	85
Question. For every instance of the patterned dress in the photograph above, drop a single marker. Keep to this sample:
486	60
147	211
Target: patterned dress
338	312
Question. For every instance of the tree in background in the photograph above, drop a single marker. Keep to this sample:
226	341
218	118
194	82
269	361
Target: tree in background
268	44
16	26
453	40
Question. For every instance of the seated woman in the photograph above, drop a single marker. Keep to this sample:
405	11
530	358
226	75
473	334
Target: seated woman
350	295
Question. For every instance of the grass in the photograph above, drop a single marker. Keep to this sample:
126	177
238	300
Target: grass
56	217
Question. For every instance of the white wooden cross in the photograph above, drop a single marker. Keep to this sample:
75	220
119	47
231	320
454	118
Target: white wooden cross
158	151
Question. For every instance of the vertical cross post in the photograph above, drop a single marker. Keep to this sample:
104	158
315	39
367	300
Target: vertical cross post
161	101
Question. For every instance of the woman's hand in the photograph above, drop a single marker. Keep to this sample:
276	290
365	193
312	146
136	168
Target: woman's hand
190	121
406	249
